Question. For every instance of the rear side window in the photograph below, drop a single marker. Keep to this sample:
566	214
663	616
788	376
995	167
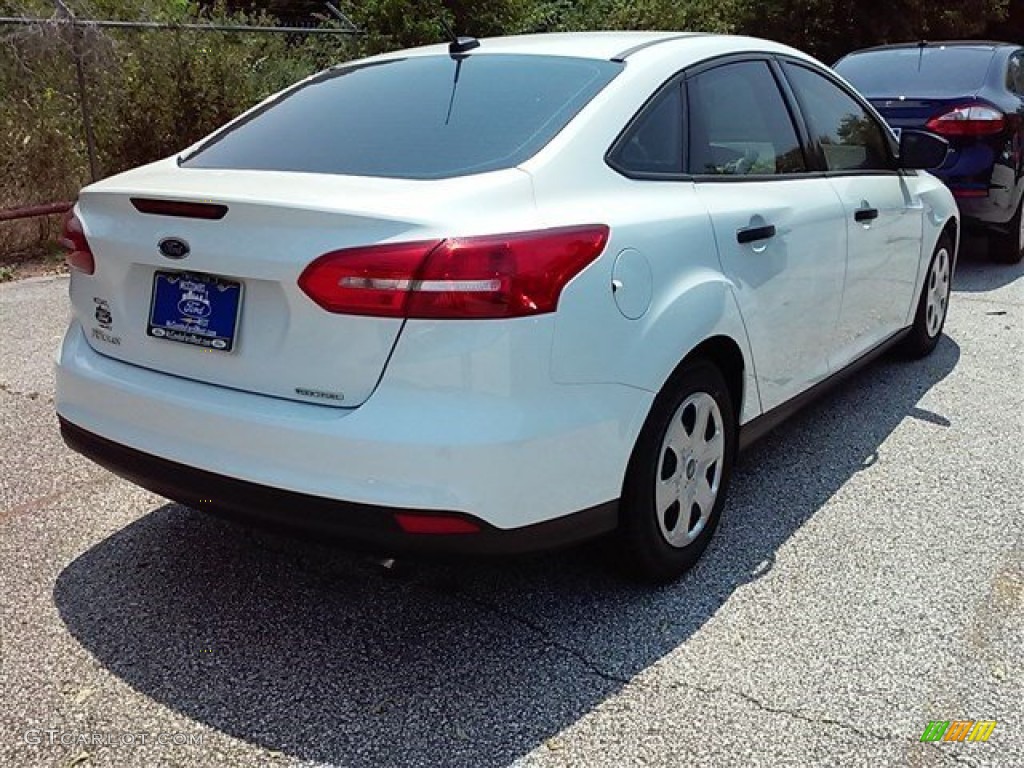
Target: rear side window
653	144
849	137
424	117
1015	73
739	124
921	72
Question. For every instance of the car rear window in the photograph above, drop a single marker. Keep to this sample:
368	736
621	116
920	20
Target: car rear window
423	117
929	71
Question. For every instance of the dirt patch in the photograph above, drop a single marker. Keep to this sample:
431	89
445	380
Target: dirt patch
35	261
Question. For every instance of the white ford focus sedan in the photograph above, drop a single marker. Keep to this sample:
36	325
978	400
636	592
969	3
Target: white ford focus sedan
503	295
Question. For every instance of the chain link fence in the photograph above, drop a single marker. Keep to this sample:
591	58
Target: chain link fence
82	98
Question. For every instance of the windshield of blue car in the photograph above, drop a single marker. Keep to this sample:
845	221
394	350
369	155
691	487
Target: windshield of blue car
929	71
422	117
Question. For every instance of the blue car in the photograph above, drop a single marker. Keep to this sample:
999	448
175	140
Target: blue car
971	93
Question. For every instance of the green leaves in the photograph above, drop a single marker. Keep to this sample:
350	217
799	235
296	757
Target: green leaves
831	28
155	92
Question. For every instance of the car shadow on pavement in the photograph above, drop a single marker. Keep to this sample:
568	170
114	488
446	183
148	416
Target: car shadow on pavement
325	656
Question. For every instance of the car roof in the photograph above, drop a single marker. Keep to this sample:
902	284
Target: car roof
590	45
613	45
987	45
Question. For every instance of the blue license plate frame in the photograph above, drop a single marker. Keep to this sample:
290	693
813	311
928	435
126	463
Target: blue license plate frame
196	309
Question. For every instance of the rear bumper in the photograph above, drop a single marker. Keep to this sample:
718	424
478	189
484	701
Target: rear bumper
994	210
983	218
363	525
987	191
510	460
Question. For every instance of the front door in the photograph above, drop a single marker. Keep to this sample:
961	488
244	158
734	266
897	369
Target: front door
884	217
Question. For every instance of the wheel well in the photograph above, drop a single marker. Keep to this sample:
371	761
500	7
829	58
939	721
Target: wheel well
727	357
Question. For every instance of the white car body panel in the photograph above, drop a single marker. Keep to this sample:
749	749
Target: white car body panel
460	428
594	342
515	422
783	281
883	258
939	213
279	223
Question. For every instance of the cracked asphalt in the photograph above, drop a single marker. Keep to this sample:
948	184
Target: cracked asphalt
868	577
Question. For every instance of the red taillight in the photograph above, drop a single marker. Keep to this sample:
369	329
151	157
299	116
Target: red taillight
968	120
72	239
496	276
435	524
366	281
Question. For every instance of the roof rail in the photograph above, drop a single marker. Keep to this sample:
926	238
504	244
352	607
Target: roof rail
649	43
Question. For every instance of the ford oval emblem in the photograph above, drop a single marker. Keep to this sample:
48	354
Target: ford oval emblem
174	248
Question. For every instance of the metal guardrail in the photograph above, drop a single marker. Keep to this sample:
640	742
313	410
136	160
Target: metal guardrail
33	211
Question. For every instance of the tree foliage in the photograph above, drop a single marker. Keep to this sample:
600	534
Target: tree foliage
150	93
155	92
829	29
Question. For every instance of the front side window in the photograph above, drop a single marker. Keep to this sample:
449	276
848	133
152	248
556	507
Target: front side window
849	137
739	124
423	117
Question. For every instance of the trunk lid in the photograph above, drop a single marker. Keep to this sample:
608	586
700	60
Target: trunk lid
285	345
915	112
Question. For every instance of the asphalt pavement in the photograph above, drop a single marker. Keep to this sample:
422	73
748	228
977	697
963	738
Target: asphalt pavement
867	578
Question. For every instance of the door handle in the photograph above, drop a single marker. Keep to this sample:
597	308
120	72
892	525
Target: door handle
865	214
753	234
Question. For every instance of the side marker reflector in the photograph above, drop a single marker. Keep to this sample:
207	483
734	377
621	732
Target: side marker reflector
434	524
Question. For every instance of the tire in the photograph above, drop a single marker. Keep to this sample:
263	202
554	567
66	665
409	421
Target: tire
933	305
1008	247
661	543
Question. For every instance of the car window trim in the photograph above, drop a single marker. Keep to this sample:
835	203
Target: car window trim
813	155
681	77
892	148
799	127
812	160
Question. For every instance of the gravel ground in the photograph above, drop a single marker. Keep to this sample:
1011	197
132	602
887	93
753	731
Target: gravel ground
867	578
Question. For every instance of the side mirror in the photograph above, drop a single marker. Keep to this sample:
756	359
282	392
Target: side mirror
921	150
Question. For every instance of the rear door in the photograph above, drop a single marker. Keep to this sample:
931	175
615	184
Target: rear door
780	229
883	214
